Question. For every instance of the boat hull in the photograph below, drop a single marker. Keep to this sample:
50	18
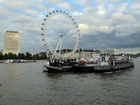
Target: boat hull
113	69
53	69
97	68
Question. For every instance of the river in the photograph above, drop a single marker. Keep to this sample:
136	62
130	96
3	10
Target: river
27	84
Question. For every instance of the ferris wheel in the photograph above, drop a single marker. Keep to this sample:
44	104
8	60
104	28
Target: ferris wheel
45	34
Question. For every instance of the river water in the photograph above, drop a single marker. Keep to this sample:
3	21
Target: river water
27	84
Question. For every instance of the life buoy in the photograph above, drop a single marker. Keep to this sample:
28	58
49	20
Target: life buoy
103	58
59	65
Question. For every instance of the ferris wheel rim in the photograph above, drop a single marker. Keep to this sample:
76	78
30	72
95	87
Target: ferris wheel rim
75	27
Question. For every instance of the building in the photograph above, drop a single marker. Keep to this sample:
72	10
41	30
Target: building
112	51
11	42
87	54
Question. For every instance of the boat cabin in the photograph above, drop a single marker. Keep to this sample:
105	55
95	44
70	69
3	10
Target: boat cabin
104	56
62	62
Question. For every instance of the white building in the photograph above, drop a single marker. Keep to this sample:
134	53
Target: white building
112	51
11	42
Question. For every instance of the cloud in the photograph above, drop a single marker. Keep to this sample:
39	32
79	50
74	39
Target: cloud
119	17
105	29
122	7
33	29
64	6
98	12
126	29
32	13
84	29
54	2
102	23
135	5
84	2
13	4
22	19
76	14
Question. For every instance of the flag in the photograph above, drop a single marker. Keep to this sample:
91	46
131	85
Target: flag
82	47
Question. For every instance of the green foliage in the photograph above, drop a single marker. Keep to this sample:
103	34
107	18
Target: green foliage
5	56
1	56
10	55
97	51
34	57
21	56
14	56
37	56
27	56
43	56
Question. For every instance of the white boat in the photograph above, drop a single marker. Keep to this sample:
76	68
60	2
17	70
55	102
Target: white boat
60	65
9	61
113	63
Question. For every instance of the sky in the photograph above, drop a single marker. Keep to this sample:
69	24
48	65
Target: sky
103	24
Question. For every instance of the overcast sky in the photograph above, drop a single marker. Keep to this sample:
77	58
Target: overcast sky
103	24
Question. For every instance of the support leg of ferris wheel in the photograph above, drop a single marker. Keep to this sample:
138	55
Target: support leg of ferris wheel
59	43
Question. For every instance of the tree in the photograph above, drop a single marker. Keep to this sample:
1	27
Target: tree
97	51
21	56
1	56
34	57
5	56
10	55
28	56
43	56
14	56
37	56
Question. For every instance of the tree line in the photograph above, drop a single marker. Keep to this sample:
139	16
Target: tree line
27	56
